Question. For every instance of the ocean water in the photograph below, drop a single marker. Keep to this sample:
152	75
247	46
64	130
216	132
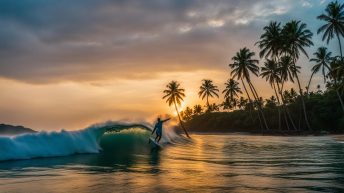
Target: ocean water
206	163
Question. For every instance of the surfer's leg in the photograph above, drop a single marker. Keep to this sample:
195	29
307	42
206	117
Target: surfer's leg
156	137
159	138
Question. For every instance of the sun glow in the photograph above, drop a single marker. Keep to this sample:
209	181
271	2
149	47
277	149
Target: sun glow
180	108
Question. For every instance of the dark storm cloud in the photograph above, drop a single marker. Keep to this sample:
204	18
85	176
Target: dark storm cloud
45	40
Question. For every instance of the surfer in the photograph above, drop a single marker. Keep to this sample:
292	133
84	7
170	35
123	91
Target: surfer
158	129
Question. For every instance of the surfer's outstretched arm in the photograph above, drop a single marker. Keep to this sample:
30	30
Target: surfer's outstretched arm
166	120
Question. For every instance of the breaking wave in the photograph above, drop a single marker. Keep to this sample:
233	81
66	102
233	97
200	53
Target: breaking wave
93	139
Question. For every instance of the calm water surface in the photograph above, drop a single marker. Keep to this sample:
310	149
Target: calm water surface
209	163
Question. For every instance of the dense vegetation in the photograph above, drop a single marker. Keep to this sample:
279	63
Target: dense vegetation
287	111
322	109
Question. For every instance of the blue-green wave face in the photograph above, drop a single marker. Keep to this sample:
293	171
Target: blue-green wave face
132	140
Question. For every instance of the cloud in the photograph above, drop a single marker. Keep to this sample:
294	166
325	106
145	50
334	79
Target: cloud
306	3
48	41
216	22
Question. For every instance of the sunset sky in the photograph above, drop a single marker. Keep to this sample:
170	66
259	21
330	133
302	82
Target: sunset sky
68	64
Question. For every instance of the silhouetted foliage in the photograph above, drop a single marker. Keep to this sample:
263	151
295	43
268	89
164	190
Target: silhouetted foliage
280	47
322	108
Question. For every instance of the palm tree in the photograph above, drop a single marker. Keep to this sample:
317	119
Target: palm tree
213	107
290	96
295	38
322	59
334	18
242	66
259	103
208	89
187	114
270	40
271	44
271	102
270	72
336	73
232	89
174	95
229	103
293	94
286	70
197	109
242	103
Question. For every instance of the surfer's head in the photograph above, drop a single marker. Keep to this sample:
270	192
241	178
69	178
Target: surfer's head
159	119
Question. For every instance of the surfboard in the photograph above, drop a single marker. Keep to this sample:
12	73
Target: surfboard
154	142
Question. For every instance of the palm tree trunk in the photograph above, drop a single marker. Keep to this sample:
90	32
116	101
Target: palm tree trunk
283	106
300	119
249	98
302	100
324	74
285	118
208	102
278	108
280	89
277	96
340	99
340	46
255	94
309	82
180	121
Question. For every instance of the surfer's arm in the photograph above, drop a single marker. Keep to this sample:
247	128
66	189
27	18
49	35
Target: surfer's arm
166	120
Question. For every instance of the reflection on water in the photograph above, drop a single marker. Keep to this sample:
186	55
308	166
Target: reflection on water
210	163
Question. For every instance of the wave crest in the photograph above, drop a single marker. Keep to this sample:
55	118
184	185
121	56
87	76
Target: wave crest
61	143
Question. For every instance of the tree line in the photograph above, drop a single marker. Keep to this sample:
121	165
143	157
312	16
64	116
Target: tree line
281	46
